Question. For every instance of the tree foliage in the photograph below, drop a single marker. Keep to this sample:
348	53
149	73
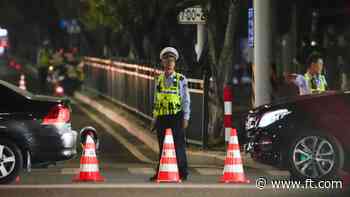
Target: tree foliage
222	33
145	26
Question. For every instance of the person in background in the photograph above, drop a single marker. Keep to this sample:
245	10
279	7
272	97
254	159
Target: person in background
43	62
313	81
70	82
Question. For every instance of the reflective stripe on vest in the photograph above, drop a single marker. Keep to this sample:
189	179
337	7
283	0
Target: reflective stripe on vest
168	99
318	85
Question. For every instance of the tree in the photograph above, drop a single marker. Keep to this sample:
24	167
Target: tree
222	27
145	26
28	23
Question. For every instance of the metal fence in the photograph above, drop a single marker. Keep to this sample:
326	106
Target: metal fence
132	86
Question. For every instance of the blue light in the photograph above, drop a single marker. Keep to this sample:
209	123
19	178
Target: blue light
251	27
63	24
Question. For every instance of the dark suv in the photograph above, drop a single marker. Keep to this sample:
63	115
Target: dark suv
308	135
34	129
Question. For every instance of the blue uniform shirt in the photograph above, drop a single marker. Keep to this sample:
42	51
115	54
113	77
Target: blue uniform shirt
184	93
303	85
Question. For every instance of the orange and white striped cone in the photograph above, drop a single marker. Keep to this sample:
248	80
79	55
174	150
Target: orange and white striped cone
89	170
22	82
168	169
233	170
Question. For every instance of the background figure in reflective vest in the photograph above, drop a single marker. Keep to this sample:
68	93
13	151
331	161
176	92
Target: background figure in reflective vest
43	62
313	81
172	108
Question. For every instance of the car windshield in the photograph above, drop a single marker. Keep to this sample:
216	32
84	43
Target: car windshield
17	89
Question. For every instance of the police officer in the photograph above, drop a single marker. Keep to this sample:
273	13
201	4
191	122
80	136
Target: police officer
172	108
43	63
313	80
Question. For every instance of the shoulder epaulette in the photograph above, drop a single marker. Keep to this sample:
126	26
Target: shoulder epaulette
181	76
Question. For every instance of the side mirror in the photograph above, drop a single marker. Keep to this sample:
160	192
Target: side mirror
89	131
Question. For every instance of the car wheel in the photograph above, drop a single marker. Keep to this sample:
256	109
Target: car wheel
315	156
11	161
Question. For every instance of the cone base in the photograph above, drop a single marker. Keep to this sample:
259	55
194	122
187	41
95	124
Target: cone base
89	177
234	179
168	177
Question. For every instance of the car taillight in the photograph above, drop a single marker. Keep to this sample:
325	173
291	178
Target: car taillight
58	114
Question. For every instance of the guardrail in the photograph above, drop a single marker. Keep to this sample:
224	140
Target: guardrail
132	86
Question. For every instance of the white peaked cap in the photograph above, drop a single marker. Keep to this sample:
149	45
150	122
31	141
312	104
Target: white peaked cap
169	50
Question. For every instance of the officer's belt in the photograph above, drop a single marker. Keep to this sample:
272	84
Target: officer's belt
168	92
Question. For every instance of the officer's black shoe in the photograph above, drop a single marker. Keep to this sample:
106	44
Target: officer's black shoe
184	178
153	178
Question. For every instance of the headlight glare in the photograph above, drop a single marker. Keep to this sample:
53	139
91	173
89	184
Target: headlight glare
272	116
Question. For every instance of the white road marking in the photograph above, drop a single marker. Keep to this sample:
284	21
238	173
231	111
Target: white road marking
209	171
143	171
70	171
277	172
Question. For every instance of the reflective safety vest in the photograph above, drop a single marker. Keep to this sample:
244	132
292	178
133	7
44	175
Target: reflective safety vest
44	57
317	84
168	99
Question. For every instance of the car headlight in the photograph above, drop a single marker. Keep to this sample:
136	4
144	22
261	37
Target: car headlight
272	116
251	122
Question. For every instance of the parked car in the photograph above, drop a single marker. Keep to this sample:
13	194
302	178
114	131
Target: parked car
34	129
308	135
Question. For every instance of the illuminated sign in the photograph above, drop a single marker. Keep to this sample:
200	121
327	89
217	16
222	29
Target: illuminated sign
192	15
251	27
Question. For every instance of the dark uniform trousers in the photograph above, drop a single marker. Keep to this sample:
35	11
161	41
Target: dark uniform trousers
175	123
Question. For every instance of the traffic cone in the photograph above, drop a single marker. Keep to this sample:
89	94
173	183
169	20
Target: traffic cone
168	169
233	170
89	170
22	82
